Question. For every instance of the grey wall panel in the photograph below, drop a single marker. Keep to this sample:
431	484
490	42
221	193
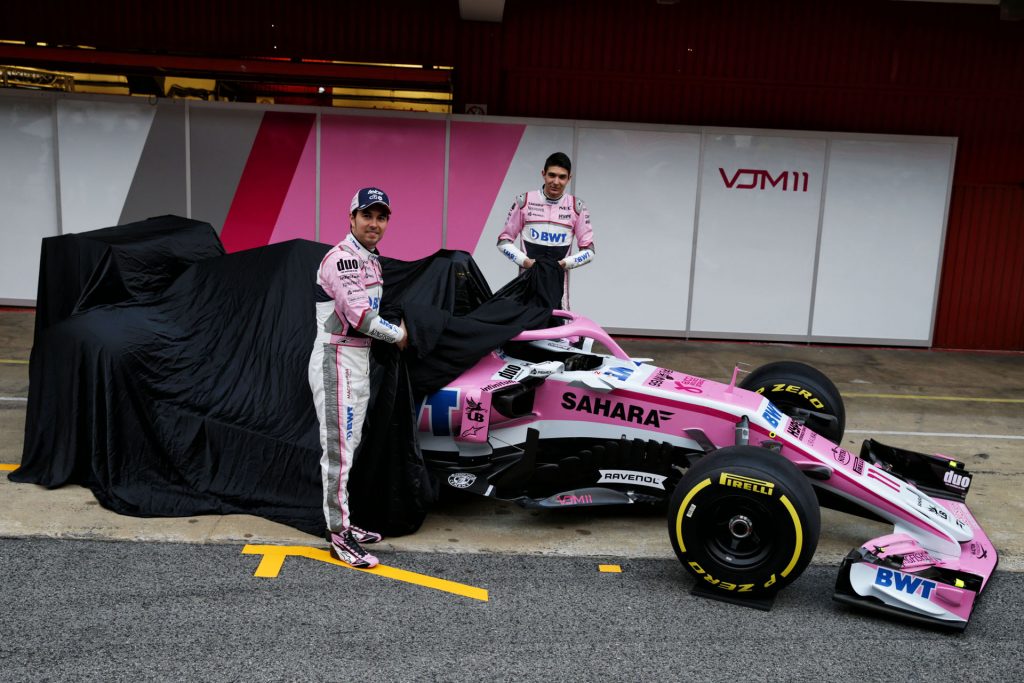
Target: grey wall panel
158	187
220	142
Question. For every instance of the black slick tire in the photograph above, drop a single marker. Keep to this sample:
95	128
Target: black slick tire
744	520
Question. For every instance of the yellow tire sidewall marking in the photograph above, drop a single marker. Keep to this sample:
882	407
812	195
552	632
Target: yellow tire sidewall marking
798	529
682	511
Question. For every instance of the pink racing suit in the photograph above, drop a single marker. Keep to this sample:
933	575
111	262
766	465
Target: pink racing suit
339	366
547	228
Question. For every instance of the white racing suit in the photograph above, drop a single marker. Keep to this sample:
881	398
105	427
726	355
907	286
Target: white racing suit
547	228
339	367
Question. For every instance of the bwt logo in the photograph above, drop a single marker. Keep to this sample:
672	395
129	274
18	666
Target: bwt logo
550	237
761	179
621	374
904	583
772	414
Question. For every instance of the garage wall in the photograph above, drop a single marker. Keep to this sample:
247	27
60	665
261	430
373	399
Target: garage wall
700	232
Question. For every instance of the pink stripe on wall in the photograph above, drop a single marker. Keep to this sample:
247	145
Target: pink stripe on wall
298	213
481	154
405	158
265	182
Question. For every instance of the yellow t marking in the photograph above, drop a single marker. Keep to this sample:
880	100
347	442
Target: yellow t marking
609	568
274	556
4	467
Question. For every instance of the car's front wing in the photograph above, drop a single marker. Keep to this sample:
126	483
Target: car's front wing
896	576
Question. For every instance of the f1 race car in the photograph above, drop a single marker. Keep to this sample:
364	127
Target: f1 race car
547	422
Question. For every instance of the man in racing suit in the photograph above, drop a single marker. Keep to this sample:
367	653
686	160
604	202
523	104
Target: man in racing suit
339	366
547	220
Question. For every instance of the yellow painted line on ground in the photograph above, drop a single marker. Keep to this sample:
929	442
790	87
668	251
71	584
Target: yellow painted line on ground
920	397
7	467
609	568
274	556
8	361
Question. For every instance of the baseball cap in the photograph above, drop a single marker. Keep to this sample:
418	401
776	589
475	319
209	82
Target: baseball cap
367	197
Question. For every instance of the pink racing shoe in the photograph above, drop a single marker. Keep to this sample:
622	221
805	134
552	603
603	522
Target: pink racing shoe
346	548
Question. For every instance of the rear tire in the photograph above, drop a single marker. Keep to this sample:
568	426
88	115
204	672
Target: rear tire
790	385
744	520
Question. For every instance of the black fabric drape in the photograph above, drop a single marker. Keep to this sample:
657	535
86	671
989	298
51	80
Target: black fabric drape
191	402
134	261
541	285
171	379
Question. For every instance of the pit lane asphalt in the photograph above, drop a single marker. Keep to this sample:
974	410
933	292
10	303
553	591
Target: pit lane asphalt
152	593
129	611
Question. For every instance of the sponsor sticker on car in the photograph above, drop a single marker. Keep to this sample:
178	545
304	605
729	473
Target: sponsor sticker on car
461	480
630	477
619	373
663	378
512	372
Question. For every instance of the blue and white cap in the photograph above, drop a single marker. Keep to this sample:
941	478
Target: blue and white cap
367	197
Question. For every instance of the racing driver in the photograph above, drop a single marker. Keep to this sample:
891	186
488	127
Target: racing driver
547	220
347	319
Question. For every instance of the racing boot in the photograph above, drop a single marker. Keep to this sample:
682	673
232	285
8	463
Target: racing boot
365	537
346	548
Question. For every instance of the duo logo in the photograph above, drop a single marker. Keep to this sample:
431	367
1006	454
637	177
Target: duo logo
905	583
440	405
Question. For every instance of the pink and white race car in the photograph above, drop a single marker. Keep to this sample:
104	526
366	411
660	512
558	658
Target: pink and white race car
742	467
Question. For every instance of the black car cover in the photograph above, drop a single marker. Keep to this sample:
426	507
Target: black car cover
171	378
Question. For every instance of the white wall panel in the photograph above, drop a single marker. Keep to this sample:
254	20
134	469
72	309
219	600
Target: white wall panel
524	174
100	144
640	187
882	234
28	195
757	234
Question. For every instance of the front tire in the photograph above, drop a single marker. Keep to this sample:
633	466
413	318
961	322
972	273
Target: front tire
744	520
792	386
